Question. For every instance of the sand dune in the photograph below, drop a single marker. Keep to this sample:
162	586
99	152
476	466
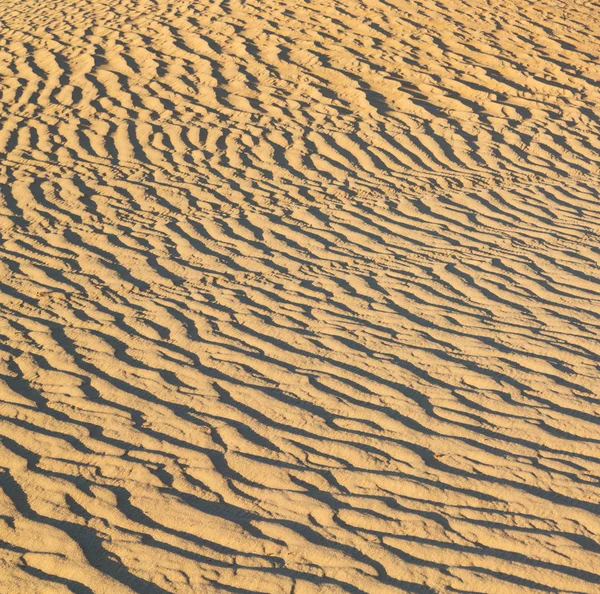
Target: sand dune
299	297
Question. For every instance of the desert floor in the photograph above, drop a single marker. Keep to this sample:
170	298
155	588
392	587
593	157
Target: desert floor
299	297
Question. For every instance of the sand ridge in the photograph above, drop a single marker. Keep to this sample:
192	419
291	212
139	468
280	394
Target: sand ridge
299	297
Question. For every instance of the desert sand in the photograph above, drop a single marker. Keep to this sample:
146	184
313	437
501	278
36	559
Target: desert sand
299	297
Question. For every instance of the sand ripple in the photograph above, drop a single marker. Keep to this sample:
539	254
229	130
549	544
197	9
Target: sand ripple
299	297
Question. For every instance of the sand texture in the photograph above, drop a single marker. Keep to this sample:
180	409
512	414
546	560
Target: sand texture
299	297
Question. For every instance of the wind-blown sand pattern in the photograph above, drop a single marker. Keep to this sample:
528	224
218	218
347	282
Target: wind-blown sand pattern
299	297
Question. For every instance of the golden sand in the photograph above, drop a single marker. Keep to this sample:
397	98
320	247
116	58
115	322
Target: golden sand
299	297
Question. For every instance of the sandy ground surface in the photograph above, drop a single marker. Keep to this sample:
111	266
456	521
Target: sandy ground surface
299	297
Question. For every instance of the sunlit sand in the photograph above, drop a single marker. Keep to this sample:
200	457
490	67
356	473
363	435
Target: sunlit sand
299	297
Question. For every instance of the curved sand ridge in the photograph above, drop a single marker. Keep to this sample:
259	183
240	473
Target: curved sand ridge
299	297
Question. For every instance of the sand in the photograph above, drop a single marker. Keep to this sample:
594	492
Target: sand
299	297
